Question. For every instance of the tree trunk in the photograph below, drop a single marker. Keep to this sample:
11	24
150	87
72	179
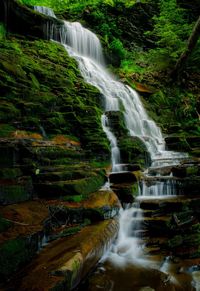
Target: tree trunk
190	46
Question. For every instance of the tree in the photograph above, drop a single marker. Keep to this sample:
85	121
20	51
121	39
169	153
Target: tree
192	41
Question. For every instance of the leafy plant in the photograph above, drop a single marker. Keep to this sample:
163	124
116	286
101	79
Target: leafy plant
2	31
171	31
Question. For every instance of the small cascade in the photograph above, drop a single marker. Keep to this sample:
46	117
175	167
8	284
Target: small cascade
168	187
45	10
115	153
127	244
82	40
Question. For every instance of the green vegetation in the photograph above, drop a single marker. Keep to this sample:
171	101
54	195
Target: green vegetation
4	224
171	31
14	253
41	88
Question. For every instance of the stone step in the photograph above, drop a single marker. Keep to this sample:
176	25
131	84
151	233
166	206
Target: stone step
122	177
173	203
130	167
150	224
163	171
59	189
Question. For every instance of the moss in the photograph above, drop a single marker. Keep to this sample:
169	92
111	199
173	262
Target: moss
4	224
15	193
8	111
14	253
6	130
75	187
175	241
133	150
10	173
47	90
74	198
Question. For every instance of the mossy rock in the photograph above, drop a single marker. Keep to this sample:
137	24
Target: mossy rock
177	143
10	173
74	187
126	192
12	192
51	95
117	123
14	254
4	224
6	130
9	155
133	150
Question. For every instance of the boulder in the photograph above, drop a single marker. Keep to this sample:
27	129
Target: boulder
122	177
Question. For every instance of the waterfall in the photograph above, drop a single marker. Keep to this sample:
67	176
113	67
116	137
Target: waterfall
85	47
130	223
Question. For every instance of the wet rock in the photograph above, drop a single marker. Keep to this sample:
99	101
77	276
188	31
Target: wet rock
74	187
22	19
98	206
126	192
20	241
177	143
16	191
163	171
132	149
116	123
122	177
66	261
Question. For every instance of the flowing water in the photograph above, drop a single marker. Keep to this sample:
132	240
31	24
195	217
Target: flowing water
85	47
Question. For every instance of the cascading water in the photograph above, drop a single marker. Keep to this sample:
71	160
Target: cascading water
85	47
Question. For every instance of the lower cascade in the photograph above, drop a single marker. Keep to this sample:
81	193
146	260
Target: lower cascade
143	225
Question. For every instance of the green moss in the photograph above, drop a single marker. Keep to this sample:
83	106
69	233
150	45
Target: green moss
47	90
133	150
6	130
13	254
10	173
175	241
83	186
4	224
8	111
16	193
74	198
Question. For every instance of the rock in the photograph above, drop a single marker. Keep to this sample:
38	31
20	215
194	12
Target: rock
177	143
122	177
132	149
68	260
21	19
16	191
116	123
98	206
20	242
58	189
126	192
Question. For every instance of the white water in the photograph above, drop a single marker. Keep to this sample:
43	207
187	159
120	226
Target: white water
127	244
85	47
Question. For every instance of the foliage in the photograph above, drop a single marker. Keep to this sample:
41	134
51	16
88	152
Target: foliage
77	5
171	31
2	31
117	48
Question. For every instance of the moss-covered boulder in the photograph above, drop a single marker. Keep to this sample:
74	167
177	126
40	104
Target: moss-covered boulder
133	150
